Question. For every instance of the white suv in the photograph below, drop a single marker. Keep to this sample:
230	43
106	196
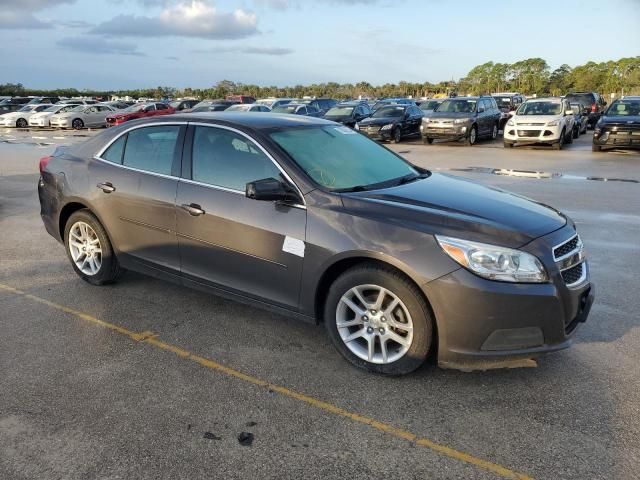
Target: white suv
541	120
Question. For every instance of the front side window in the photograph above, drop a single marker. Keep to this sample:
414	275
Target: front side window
161	106
338	158
226	159
152	148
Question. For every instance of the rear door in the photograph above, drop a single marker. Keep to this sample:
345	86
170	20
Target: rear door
135	181
227	240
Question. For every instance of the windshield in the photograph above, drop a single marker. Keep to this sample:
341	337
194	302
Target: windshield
503	101
135	108
388	112
54	109
457	106
338	158
238	108
429	105
339	111
175	104
624	108
27	108
540	108
285	109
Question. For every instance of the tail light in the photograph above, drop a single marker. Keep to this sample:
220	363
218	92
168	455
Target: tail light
43	163
593	108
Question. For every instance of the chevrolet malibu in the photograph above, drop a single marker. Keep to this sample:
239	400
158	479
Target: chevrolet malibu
82	116
309	218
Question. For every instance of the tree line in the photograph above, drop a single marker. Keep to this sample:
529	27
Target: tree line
529	76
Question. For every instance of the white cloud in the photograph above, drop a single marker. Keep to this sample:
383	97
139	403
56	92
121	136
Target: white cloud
98	45
197	18
18	14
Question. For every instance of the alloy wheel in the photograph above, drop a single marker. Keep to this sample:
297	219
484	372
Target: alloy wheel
494	132
85	248
472	136
374	324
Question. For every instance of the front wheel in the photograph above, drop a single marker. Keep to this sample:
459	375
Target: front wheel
576	132
507	144
89	249
596	148
560	143
378	320
494	132
427	140
473	136
397	135
77	124
21	123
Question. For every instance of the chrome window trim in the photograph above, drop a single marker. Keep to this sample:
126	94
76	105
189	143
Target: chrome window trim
98	156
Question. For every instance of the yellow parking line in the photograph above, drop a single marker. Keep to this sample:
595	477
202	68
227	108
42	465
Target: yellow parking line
152	339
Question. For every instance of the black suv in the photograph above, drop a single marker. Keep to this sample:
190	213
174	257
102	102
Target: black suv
619	126
322	104
349	113
393	122
460	118
13	104
591	100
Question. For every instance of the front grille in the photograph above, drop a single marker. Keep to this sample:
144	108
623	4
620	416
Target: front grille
528	133
566	248
527	124
573	274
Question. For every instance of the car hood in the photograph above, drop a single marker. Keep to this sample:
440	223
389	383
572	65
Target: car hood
460	208
43	114
380	121
623	120
339	118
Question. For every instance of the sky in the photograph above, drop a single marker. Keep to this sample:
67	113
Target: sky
120	44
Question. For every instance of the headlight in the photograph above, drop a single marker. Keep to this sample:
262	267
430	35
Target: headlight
493	262
460	120
511	123
553	123
387	127
356	126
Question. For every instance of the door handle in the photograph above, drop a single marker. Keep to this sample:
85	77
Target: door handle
106	187
193	209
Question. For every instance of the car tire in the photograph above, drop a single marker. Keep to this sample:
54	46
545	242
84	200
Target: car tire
77	123
84	230
576	132
569	137
494	132
472	138
507	144
397	135
411	310
21	123
596	148
427	140
560	143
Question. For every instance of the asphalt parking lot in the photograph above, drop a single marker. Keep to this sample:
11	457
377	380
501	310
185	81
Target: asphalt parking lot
145	379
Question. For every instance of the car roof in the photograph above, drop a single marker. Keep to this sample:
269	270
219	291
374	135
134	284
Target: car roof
249	120
545	99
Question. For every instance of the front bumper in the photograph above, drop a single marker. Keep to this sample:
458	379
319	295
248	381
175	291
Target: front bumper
375	133
531	134
483	324
39	122
617	138
7	123
444	131
61	123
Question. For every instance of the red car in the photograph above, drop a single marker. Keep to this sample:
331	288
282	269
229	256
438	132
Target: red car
139	110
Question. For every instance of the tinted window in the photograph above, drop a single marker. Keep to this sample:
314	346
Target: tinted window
152	148
114	152
161	106
227	159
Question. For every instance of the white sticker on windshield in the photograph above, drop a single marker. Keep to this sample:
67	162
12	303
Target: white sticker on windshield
345	130
293	246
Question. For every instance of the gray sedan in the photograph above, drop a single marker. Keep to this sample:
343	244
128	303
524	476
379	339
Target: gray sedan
309	218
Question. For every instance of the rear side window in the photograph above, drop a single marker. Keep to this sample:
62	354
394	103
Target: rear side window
152	148
226	159
114	152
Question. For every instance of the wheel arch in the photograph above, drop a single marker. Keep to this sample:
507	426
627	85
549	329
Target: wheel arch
341	265
66	212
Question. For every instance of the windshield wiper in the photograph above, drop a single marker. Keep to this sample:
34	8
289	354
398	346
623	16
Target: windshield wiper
356	188
410	178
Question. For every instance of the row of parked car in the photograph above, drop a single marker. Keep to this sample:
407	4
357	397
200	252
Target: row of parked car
554	121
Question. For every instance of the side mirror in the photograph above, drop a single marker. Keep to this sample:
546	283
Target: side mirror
268	189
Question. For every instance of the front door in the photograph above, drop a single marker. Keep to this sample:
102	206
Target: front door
135	185
251	247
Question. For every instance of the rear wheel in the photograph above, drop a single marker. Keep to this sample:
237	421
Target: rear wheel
89	249
427	140
77	123
596	148
507	144
576	131
21	123
378	320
